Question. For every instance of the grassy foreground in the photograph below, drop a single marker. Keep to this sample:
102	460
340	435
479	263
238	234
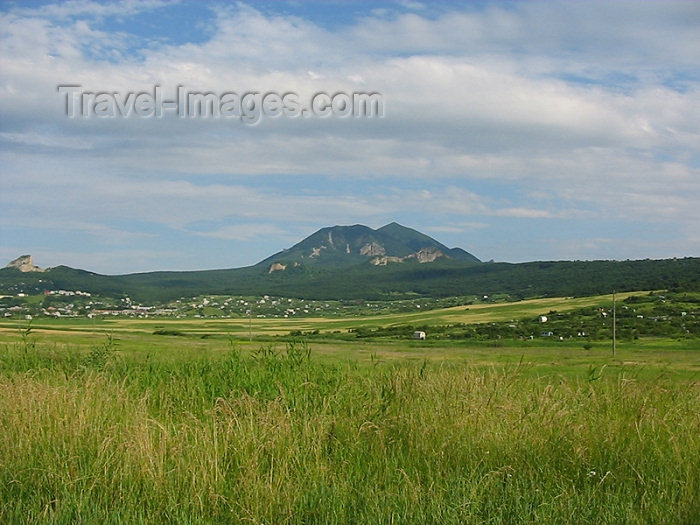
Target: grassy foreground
281	437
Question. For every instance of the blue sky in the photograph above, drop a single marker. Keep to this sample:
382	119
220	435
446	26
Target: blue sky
516	130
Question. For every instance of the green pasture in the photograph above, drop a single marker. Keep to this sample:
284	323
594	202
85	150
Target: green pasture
243	326
149	421
176	340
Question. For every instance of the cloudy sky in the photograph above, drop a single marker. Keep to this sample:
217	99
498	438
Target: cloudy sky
518	131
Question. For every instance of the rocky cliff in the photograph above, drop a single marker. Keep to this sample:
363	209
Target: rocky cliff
24	263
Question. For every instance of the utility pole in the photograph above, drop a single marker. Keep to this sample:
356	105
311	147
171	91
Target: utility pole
614	326
250	324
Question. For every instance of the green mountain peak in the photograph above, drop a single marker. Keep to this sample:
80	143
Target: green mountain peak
341	246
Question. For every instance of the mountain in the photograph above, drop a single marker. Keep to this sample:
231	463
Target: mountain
344	246
358	262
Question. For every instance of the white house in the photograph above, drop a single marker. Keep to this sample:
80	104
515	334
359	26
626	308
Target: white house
418	335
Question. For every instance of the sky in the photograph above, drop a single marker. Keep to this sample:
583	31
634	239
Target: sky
518	131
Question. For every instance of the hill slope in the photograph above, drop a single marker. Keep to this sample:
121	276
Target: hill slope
357	262
365	281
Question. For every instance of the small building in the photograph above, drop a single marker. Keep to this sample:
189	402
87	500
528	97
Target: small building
418	334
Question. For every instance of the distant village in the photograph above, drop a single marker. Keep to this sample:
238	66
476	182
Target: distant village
77	303
651	314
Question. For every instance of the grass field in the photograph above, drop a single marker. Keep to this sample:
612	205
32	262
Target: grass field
106	422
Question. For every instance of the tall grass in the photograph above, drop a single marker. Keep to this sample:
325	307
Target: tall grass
277	437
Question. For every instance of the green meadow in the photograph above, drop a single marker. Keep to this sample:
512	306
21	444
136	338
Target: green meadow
234	421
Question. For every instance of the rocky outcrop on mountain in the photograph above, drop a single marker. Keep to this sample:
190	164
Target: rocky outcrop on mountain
24	263
424	255
372	248
277	267
427	255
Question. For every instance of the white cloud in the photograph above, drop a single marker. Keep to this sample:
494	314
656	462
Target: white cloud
244	232
79	8
479	103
